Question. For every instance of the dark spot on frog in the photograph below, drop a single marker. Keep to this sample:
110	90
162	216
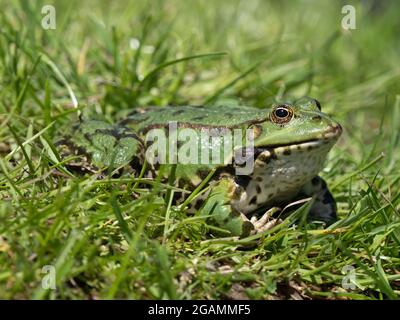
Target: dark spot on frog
242	180
203	173
198	204
234	214
317	118
253	200
315	181
141	110
76	126
258	188
198	118
179	197
225	221
182	183
132	120
136	164
228	171
273	154
88	137
264	158
119	133
63	141
287	152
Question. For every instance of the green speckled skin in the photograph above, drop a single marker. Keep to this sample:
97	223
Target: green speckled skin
289	155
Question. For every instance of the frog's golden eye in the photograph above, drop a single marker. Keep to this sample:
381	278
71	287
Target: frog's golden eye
282	114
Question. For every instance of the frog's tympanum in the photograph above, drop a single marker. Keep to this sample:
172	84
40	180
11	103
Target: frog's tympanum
290	143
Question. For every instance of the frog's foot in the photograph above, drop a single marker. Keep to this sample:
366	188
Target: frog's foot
324	206
265	222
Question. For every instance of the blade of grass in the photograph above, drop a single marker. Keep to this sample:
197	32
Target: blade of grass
157	69
231	83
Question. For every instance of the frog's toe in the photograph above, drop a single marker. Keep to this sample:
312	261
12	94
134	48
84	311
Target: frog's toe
265	222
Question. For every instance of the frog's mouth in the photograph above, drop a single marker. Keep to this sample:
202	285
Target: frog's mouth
283	145
265	153
328	136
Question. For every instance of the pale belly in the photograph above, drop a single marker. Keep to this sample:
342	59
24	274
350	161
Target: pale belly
280	178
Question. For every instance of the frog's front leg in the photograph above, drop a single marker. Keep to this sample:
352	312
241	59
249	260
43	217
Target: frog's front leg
222	214
324	206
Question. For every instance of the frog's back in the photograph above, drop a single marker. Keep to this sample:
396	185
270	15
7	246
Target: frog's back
141	120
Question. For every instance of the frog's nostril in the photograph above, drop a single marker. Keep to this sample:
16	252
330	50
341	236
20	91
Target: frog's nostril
333	130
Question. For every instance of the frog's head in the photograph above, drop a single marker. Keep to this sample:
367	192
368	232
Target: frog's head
296	125
291	143
297	134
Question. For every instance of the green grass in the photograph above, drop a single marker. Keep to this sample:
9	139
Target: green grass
112	238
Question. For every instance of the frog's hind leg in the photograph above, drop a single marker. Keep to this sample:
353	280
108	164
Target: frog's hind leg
324	206
106	145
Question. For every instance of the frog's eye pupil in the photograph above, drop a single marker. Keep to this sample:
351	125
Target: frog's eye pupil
281	113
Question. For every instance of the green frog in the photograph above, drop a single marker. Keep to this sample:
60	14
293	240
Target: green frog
289	142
